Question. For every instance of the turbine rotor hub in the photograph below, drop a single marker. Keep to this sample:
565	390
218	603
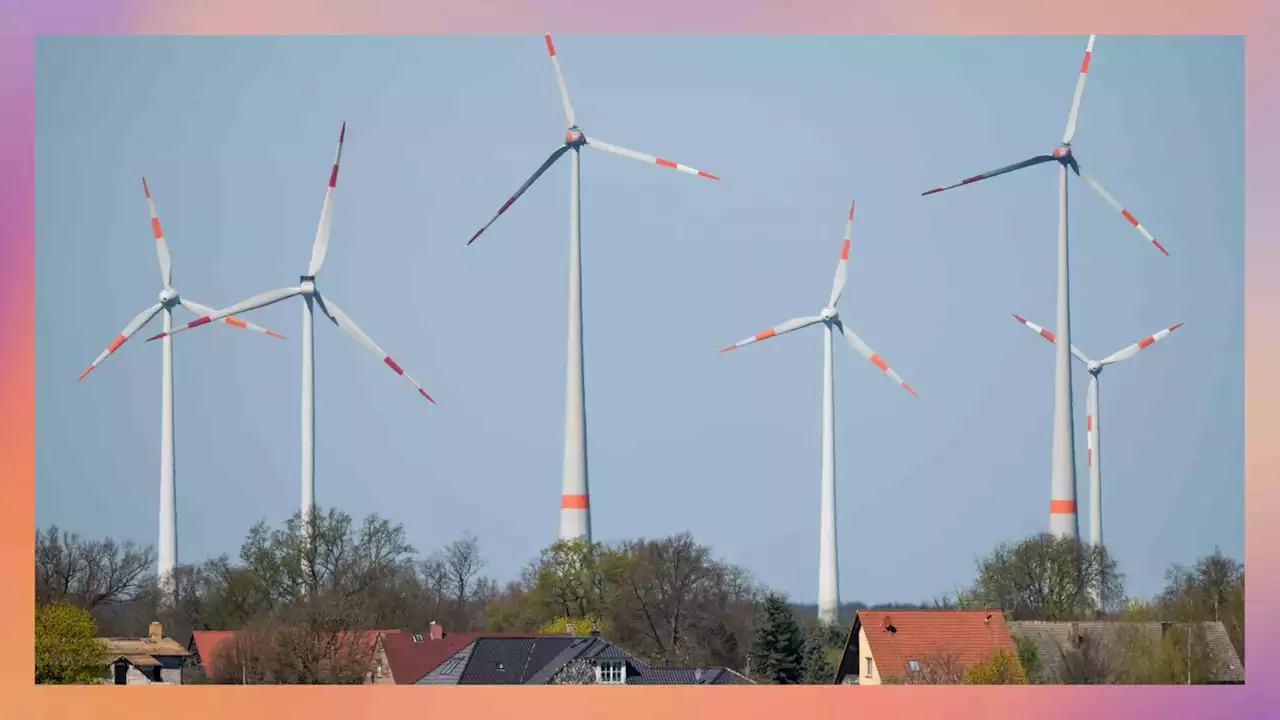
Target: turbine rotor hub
168	296
1062	152
308	284
829	314
1095	368
574	137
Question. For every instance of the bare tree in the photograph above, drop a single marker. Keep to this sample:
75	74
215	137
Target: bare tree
1048	578
89	573
463	562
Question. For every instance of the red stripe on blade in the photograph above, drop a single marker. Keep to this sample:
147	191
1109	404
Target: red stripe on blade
425	395
117	342
879	362
665	163
551	48
1048	336
155	228
1084	66
146	189
1088	423
844	251
851	210
197	322
766	334
1128	216
1160	247
1145	342
333	176
707	175
975	178
392	364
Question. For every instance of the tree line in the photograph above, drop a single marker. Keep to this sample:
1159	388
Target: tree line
295	593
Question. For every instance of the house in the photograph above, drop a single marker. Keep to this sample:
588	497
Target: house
1055	641
209	647
443	658
154	659
926	646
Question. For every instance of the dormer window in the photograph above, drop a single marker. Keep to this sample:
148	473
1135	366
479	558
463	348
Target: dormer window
611	672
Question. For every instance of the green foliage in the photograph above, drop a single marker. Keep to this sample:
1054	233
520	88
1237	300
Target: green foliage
579	627
818	668
1048	578
1029	658
778	656
67	647
1001	668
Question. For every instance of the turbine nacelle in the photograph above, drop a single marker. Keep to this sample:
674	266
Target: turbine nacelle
1062	152
307	284
829	314
574	137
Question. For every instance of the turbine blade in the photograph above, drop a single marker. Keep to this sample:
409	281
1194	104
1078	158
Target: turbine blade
564	89
201	310
262	300
537	174
1075	101
1000	171
1143	344
321	246
856	343
1115	204
1091	417
162	248
642	157
780	329
134	326
342	320
1075	352
842	269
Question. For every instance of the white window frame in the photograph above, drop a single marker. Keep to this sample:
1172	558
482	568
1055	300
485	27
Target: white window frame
869	666
612	665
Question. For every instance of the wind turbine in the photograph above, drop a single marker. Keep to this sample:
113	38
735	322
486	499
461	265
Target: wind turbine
1063	520
1092	418
311	297
169	299
828	566
575	512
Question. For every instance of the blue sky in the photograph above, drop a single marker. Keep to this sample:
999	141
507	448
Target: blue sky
236	136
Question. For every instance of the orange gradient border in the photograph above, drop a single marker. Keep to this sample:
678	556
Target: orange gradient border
1256	19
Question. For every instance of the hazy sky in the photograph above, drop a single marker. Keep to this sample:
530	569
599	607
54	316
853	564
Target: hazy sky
236	137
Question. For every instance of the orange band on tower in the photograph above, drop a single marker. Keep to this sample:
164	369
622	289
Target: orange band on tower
1062	507
573	502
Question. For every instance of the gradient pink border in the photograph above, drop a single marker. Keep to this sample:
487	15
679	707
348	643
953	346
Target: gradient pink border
1257	20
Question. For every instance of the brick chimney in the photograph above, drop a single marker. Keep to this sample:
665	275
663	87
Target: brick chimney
437	632
154	633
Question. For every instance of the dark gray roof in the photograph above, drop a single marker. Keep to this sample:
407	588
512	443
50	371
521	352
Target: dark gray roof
1053	639
511	661
689	676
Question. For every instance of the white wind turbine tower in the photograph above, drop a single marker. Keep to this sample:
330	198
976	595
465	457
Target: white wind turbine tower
311	297
1063	520
828	566
575	512
169	299
1092	417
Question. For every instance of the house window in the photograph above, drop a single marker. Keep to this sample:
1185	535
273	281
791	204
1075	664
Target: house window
612	672
913	665
450	666
868	667
121	673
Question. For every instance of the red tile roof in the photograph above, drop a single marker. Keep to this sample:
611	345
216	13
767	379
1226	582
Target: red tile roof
969	636
411	660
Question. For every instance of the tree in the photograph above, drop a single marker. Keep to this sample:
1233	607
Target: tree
818	669
578	672
778	656
1211	590
67	647
1029	658
88	573
1089	660
1048	578
579	627
1000	668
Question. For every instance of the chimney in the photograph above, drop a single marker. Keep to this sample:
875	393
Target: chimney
437	632
595	631
569	628
154	633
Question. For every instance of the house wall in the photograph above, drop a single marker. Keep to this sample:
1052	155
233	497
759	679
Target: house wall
380	661
864	652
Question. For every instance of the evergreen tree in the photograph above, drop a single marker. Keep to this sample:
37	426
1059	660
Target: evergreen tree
817	667
778	656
